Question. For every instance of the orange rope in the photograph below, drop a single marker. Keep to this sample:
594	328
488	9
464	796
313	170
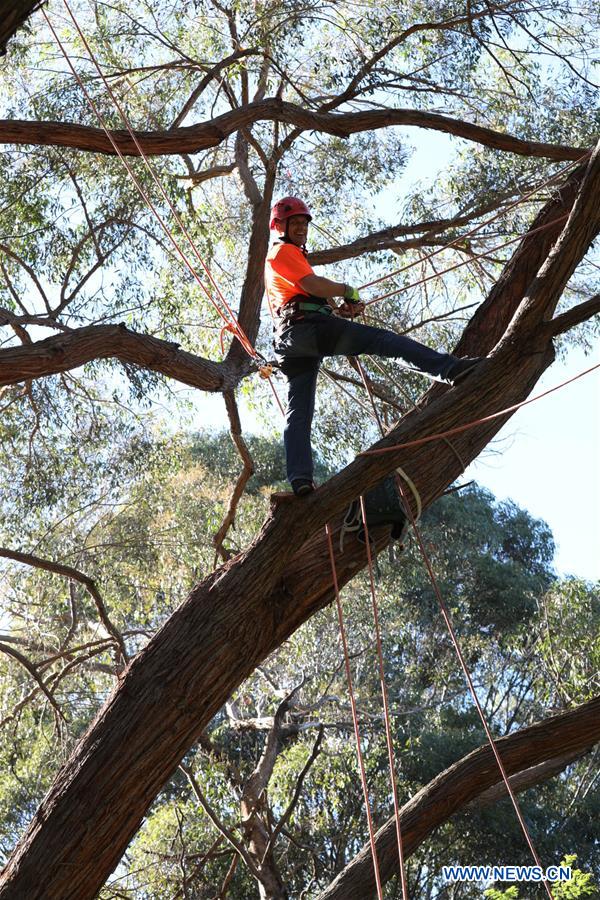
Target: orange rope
230	325
477	228
384	695
451	631
464	262
361	764
239	333
448	621
460	428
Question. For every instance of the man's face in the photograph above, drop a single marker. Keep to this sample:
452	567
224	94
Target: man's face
297	229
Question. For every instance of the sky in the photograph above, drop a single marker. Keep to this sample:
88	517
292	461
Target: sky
546	459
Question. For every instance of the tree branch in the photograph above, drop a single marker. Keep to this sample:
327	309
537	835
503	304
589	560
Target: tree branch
246	473
220	826
14	15
575	316
300	781
22	659
208	77
69	572
351	89
208	134
388	238
528	778
60	353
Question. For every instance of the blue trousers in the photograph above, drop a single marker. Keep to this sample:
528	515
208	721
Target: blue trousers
300	348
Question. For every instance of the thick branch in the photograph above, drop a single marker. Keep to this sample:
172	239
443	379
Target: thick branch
528	778
70	350
574	732
213	132
425	234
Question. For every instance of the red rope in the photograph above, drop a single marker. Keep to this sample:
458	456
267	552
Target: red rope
361	764
464	262
238	330
460	428
477	228
448	621
230	325
129	169
451	631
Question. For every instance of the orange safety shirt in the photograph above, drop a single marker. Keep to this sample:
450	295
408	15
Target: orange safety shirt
285	265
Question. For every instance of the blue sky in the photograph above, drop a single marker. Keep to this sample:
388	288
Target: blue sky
546	460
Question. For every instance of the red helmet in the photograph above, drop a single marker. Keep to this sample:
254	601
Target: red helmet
287	207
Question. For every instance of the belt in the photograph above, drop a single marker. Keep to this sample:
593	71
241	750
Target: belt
294	310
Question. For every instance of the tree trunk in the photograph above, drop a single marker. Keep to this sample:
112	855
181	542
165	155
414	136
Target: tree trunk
242	612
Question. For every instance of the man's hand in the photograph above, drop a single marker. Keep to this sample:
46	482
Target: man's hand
351	310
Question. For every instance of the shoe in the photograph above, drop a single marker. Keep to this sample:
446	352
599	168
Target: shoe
461	369
302	486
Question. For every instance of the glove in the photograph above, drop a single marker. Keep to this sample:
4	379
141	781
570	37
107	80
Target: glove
351	295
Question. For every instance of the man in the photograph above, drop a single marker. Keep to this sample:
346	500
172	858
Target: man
309	326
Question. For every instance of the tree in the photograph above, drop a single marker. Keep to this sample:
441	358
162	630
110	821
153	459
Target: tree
172	688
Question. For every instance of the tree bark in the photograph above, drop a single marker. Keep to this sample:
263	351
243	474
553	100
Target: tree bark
576	731
242	612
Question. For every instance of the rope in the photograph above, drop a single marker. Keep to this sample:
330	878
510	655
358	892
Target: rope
129	169
384	694
361	764
477	228
235	326
232	325
464	262
459	428
451	631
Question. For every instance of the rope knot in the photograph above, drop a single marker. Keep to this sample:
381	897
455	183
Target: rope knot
229	327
